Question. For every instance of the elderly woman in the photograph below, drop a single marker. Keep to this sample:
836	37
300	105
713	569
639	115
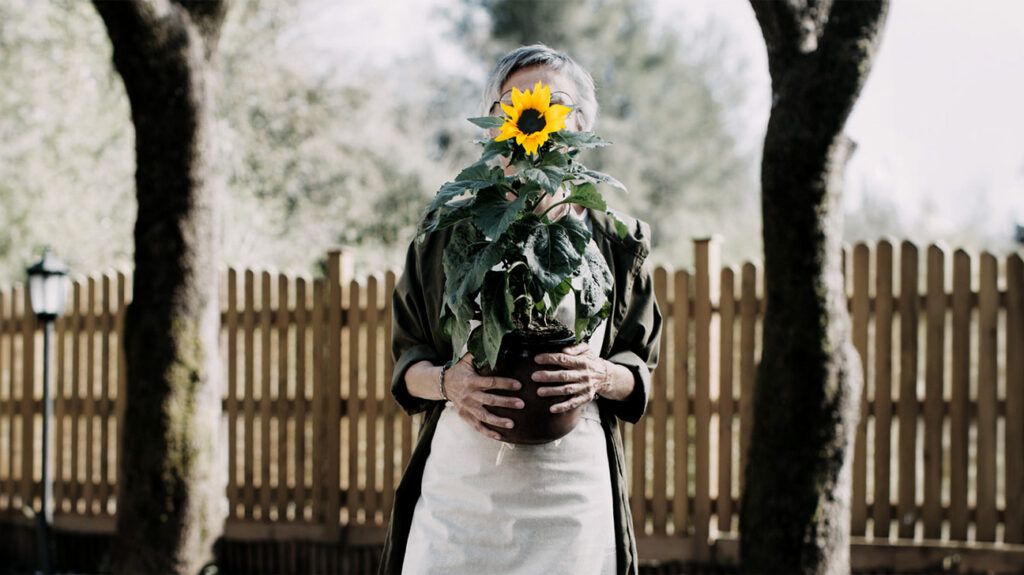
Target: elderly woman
470	503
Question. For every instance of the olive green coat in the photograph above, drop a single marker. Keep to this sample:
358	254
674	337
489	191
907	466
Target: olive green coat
631	339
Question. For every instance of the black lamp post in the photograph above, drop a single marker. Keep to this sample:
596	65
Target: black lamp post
47	285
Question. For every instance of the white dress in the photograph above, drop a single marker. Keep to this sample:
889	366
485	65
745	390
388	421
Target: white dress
490	507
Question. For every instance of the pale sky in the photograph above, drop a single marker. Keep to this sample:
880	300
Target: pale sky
941	114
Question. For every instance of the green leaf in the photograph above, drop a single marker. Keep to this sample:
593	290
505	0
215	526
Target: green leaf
578	140
559	292
595	283
576	231
466	259
620	227
480	175
487	122
586	195
445	216
595	177
493	149
475	346
547	174
458	327
551	254
492	213
496	305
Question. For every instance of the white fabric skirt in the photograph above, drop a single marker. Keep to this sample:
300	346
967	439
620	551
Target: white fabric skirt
493	507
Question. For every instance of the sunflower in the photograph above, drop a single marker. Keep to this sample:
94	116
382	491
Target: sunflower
532	117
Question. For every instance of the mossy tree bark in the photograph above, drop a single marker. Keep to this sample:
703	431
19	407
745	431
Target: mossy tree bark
795	514
171	503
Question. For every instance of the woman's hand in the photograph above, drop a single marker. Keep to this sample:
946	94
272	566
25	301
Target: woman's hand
585	376
469	392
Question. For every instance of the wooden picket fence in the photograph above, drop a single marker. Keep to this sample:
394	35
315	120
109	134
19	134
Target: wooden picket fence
316	445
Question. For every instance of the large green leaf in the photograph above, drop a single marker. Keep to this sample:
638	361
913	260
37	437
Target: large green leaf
480	175
551	253
466	259
493	149
445	216
493	213
576	231
586	195
594	293
487	122
595	177
496	306
578	140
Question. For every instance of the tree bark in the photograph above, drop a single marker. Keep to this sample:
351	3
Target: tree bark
171	502
795	513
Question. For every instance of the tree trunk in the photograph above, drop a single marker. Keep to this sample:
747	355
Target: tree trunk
171	503
795	514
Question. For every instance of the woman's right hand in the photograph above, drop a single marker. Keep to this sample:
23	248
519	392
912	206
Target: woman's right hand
469	392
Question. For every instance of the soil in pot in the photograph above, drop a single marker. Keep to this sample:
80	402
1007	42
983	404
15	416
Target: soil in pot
534	423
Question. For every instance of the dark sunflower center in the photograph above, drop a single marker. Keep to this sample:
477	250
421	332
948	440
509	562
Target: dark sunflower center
530	121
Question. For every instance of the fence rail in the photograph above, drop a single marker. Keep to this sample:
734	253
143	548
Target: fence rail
316	445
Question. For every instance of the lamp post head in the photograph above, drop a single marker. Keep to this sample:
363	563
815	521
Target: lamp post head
47	283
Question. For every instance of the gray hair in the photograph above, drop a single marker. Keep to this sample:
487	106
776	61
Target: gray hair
541	55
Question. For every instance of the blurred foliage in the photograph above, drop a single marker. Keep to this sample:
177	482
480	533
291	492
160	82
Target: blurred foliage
316	156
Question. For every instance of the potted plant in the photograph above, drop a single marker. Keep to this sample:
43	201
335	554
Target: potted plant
507	267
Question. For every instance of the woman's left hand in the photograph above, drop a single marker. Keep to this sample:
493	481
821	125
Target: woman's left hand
586	375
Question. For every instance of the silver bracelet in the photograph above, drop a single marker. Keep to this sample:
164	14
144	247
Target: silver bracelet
440	380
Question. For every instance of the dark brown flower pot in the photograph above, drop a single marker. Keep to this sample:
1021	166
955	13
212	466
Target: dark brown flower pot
534	423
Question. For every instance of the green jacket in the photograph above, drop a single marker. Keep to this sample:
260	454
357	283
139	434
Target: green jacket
631	339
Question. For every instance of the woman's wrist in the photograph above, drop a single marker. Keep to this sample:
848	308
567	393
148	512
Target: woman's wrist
618	381
421	380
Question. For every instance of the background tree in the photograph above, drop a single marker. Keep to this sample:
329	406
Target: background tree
795	516
171	504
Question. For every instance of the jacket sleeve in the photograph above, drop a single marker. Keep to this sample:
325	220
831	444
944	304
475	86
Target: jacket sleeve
637	344
411	339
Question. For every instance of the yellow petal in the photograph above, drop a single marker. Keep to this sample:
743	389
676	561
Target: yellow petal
510	111
542	97
557	111
504	136
518	99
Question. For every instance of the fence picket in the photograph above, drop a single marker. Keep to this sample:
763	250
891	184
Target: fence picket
934	402
372	390
959	401
881	514
281	399
748	370
726	314
6	415
907	407
301	400
249	323
681	401
352	501
266	307
232	384
1013	444
988	318
319	447
861	316
389	411
104	394
659	412
28	454
122	375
